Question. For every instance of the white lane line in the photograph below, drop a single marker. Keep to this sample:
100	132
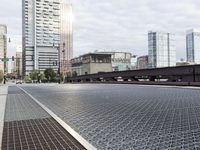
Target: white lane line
77	136
3	96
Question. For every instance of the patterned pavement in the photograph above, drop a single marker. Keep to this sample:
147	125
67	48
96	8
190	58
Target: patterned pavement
28	127
127	117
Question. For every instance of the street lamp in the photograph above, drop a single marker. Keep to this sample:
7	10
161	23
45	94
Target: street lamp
58	48
59	61
5	59
63	64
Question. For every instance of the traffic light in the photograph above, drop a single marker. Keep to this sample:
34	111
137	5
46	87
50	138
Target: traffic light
13	58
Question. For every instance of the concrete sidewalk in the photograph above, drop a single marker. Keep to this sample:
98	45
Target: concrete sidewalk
3	96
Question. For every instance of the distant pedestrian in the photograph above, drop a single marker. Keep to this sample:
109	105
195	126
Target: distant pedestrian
4	79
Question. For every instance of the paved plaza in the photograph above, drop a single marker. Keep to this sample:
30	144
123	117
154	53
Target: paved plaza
109	117
28	127
126	116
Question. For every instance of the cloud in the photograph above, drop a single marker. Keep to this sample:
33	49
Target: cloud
116	24
124	24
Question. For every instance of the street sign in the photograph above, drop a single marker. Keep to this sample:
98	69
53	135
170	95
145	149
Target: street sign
4	59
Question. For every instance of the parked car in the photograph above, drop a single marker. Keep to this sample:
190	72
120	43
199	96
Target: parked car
19	82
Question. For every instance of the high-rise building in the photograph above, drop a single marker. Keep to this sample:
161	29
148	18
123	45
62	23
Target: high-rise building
13	67
142	62
47	30
193	46
3	48
162	50
18	62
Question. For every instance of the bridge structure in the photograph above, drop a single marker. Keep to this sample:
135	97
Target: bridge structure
180	75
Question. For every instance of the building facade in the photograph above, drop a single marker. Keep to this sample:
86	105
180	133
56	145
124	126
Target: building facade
91	63
193	46
121	61
3	48
47	35
13	67
162	50
18	62
142	62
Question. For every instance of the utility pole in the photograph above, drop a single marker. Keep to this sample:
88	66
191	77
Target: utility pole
63	64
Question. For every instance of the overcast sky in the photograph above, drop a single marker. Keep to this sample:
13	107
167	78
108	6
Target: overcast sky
116	24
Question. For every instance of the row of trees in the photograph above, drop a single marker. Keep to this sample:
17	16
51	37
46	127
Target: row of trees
48	75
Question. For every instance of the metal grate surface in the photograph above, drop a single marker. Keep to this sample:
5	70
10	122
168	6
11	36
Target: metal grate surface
126	117
22	107
28	127
14	90
37	134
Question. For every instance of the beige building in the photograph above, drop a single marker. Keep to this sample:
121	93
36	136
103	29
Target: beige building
18	61
91	63
121	61
3	48
13	67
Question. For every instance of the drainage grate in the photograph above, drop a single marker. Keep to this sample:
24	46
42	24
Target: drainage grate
37	134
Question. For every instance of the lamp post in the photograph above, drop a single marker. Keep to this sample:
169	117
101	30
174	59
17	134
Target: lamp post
58	48
59	62
63	64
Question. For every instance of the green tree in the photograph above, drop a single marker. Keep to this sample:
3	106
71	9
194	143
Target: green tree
42	77
50	74
1	76
27	78
33	75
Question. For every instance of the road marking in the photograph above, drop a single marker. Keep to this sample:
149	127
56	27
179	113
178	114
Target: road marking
77	136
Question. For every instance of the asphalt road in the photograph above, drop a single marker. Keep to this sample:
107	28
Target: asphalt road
126	116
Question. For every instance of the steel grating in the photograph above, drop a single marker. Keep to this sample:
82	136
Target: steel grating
37	134
14	90
22	107
113	117
28	127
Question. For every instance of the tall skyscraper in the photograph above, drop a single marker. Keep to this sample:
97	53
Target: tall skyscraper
47	30
162	51
193	46
3	48
18	62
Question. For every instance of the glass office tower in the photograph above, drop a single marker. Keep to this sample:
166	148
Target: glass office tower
47	30
193	46
162	51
